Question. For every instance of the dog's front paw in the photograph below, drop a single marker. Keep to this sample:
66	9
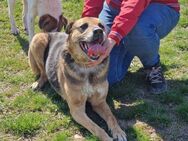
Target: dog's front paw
15	30
35	86
119	135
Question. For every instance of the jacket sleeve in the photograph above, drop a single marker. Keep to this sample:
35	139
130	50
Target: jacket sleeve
129	14
92	8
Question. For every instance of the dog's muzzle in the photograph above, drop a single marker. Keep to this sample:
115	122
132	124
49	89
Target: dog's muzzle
94	49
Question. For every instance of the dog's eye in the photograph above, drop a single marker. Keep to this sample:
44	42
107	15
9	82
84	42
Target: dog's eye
101	26
84	26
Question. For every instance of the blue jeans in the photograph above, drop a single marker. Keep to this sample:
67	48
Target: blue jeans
156	21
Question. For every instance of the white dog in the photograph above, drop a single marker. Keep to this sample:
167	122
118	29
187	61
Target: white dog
49	12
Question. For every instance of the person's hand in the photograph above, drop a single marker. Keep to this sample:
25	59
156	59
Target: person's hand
109	44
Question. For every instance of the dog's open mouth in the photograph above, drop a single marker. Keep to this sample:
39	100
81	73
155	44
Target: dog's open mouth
93	49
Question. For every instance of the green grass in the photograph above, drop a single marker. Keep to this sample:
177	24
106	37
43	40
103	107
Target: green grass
33	102
171	98
29	115
62	137
23	124
137	134
182	111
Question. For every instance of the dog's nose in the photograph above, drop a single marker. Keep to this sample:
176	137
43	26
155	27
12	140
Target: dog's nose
97	34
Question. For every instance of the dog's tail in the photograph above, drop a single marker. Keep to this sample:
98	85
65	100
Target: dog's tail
36	54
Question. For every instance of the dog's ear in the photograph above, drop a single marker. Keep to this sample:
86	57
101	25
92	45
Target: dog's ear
62	23
47	23
69	28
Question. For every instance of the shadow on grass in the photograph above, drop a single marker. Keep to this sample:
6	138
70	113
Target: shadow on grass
56	99
23	43
131	102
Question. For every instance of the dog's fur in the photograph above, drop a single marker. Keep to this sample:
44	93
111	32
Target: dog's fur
59	58
49	12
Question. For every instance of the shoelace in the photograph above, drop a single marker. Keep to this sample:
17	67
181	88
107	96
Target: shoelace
155	75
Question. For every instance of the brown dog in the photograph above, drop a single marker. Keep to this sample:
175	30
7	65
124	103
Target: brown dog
62	59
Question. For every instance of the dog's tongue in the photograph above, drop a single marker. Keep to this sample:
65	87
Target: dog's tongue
96	49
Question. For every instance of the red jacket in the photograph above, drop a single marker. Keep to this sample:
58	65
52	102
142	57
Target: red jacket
130	10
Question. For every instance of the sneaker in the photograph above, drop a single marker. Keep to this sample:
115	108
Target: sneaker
156	80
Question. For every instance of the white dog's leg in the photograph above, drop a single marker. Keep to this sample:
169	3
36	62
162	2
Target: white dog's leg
11	4
25	15
31	18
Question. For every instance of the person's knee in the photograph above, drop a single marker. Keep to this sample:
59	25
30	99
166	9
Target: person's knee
143	31
143	39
